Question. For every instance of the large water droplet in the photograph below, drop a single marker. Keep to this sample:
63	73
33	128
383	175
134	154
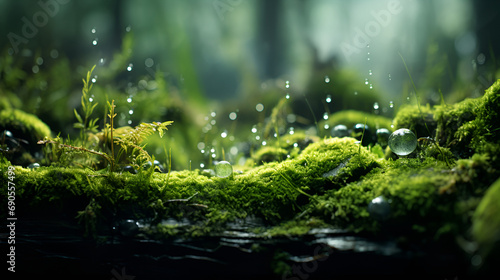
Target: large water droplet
259	107
223	169
402	142
130	66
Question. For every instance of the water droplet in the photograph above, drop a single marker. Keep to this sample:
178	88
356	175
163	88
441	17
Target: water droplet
383	137
287	84
391	104
375	106
379	208
129	99
54	53
223	134
232	116
34	166
213	114
366	82
223	169
327	79
402	142
39	61
340	131
326	126
370	72
325	116
95	42
371	86
35	69
128	28
131	112
355	93
390	77
287	96
259	107
328	98
130	66
201	146
254	130
264	143
91	98
292	130
94	79
149	62
93	30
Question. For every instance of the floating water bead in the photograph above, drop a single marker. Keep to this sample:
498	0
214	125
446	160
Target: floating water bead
223	169
402	142
340	131
379	208
383	135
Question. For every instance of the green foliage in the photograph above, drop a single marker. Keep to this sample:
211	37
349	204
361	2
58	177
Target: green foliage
86	124
130	142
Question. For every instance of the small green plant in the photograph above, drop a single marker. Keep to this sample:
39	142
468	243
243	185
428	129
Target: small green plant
127	139
130	142
86	124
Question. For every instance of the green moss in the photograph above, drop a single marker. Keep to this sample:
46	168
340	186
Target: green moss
486	222
269	154
472	125
409	116
350	118
29	125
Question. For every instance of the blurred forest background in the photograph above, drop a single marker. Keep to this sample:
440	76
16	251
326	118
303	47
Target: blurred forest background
195	61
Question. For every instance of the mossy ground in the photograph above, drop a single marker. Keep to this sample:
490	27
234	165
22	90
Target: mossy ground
329	183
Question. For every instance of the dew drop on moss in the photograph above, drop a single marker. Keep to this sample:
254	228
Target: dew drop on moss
379	208
402	142
223	169
340	131
383	135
